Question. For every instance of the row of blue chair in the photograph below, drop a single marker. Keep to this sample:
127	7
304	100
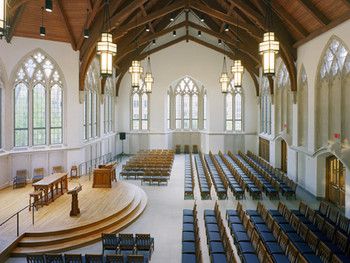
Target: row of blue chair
217	177
286	185
278	183
191	251
270	190
236	187
189	180
203	177
219	244
252	187
331	243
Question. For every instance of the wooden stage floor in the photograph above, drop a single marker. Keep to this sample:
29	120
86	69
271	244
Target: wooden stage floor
95	205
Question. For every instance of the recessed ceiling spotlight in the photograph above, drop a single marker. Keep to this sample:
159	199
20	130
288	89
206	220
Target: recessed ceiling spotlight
153	42
202	19
199	33
226	28
174	33
172	19
219	42
147	29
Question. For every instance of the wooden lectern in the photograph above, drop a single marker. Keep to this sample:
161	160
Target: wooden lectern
104	175
75	205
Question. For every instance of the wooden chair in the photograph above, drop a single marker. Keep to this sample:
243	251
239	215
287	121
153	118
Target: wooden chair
329	230
303	208
186	149
324	252
177	149
57	169
292	253
126	242
341	241
115	259
54	258
135	259
144	242
194	149
35	258
333	215
323	208
38	174
283	241
73	258
20	179
343	224
74	171
312	240
109	242
319	221
90	258
303	231
295	222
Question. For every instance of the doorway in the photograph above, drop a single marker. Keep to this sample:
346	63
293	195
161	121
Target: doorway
284	156
335	176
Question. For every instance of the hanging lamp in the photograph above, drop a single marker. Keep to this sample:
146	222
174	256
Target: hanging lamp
105	47
270	46
2	18
224	78
42	30
149	77
237	69
86	29
136	71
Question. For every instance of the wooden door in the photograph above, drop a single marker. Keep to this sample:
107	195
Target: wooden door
284	156
335	187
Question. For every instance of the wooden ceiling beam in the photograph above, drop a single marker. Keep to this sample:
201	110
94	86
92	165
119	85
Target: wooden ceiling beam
144	13
346	3
315	12
66	23
14	19
289	20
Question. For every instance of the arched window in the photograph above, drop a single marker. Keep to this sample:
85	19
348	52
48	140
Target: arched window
332	94
265	107
284	101
186	94
303	108
140	110
91	102
108	106
38	78
233	108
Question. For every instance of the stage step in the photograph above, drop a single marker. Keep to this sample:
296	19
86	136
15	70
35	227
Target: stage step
71	239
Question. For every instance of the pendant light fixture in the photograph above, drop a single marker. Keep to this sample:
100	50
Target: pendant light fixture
42	30
86	29
2	18
224	79
149	78
48	6
237	69
270	46
105	47
136	71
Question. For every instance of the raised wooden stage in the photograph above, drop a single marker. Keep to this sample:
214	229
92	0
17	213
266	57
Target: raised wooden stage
101	210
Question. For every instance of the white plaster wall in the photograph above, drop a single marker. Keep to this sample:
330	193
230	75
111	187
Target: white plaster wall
204	65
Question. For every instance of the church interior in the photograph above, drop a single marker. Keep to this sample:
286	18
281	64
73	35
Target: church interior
190	131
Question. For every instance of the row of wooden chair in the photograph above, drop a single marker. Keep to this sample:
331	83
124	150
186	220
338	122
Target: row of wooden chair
287	185
217	176
203	177
88	258
236	185
219	244
189	178
330	245
266	182
191	250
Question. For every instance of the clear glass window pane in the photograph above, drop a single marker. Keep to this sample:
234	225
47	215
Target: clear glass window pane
39	115
56	115
136	109
178	124
228	106
178	106
21	115
229	125
195	106
238	106
194	124
186	106
186	124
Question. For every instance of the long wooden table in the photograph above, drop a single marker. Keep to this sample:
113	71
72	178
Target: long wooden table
50	184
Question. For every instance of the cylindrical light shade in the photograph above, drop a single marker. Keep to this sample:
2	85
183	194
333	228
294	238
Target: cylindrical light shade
106	49
224	81
237	69
86	33
268	49
48	5
148	82
2	17
42	31
135	70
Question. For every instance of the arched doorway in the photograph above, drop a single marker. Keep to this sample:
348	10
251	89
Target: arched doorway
284	157
335	181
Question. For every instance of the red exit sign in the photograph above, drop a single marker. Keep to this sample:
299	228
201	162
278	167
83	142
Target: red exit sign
336	135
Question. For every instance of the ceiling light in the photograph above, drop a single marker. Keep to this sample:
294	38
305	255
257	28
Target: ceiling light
147	29
86	33
2	18
135	70
224	79
149	78
174	33
270	46
199	33
226	27
219	42
172	19
153	42
202	19
105	47
48	6
42	30
237	70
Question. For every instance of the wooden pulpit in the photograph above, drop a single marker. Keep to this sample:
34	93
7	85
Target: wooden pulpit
75	205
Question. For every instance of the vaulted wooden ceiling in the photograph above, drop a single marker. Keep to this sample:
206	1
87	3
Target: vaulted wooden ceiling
295	22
